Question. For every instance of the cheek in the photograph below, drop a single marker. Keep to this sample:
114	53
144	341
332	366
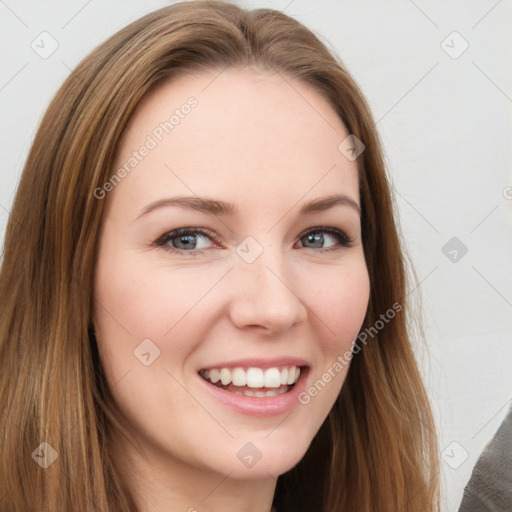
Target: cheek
341	303
136	299
340	307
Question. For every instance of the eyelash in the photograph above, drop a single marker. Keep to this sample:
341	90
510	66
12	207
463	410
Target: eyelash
343	240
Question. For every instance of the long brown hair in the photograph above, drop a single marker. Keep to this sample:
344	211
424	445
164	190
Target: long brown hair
376	451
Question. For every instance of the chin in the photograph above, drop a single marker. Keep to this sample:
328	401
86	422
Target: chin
262	456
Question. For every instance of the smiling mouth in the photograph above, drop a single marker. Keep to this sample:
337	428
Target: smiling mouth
254	382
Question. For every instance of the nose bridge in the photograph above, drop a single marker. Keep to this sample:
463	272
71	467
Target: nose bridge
264	294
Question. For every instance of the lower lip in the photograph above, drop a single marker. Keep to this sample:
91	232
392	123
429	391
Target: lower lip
260	406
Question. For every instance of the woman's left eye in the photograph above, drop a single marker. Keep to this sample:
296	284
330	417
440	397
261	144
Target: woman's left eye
193	241
318	236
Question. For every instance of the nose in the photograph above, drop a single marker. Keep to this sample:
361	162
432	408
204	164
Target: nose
264	297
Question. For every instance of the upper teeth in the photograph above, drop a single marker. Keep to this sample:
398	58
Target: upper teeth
253	377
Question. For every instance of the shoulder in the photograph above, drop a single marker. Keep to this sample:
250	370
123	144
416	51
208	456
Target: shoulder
490	487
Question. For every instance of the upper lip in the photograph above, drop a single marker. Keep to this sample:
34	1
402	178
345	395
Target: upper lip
254	362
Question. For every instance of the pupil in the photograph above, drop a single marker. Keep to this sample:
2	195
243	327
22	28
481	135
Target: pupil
187	240
319	239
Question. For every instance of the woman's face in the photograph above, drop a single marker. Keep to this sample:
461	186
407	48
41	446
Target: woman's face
265	276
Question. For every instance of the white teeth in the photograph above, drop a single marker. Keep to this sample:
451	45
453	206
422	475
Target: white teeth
272	378
225	376
255	378
291	375
238	377
261	394
214	375
275	378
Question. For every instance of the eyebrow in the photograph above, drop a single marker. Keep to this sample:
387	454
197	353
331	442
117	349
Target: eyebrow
217	207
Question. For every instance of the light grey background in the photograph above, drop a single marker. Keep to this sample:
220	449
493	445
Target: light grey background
446	127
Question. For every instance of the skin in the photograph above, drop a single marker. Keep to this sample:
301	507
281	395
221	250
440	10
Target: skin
268	145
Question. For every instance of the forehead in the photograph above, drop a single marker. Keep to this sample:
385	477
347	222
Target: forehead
234	132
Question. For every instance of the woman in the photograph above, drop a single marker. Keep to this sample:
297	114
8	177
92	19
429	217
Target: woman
170	340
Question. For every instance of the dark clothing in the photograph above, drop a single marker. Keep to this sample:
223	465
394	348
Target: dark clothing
490	487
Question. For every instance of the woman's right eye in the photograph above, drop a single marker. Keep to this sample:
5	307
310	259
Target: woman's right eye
186	241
